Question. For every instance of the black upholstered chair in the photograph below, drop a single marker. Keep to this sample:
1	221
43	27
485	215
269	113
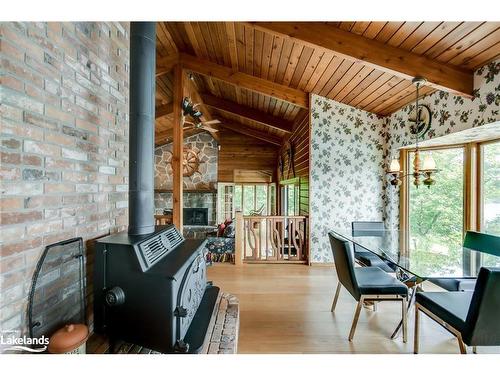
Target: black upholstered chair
363	256
365	283
471	316
481	242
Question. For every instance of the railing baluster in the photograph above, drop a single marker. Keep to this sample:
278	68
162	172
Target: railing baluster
274	238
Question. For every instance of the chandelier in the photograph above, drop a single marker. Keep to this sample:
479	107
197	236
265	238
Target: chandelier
420	171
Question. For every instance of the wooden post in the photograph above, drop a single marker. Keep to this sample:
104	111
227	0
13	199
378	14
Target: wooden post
178	141
239	238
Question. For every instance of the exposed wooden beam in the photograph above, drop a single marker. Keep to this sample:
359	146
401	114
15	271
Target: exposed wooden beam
248	113
243	80
164	65
370	52
164	110
254	133
177	149
167	136
196	98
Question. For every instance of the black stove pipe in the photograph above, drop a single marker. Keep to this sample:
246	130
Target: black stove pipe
141	133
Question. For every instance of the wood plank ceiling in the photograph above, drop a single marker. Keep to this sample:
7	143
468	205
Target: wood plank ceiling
234	52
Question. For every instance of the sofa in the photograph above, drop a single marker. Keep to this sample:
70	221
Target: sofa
220	248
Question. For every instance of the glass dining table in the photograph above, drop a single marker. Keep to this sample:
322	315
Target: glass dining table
420	262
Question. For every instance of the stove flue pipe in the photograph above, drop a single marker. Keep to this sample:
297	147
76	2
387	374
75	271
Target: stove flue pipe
141	133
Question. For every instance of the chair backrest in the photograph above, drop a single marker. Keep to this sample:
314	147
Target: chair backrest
482	326
366	228
362	226
482	242
344	264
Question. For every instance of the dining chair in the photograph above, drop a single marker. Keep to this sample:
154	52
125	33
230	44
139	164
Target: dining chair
472	317
365	283
363	256
481	242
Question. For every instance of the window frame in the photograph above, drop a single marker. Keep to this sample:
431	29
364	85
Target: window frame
407	167
479	219
473	186
295	182
269	203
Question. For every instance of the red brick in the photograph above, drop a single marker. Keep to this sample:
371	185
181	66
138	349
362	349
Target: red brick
29	132
59	188
58	114
12	248
20	217
32	160
21	72
7	111
38	120
41	148
42	201
11	204
12	83
11	143
10	157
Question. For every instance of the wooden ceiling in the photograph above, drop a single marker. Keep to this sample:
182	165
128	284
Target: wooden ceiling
256	77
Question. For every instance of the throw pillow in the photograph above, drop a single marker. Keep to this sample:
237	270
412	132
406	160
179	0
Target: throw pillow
229	232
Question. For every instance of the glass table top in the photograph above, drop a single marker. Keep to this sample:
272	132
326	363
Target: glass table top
423	262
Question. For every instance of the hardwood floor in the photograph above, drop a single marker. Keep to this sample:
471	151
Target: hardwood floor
286	309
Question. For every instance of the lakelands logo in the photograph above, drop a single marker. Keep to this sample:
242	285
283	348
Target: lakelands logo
10	343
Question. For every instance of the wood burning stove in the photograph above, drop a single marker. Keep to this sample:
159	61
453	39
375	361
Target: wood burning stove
152	290
150	284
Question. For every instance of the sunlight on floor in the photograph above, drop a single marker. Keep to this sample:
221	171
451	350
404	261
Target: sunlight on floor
286	309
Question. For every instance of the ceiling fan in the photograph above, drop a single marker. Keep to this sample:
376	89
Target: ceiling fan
189	109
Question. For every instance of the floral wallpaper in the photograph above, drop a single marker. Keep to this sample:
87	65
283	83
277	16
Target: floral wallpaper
346	170
351	148
450	114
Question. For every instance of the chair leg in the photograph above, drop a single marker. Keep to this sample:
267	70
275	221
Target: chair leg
415	338
461	345
404	311
335	299
356	317
474	349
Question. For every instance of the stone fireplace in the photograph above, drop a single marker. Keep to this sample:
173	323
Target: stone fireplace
200	194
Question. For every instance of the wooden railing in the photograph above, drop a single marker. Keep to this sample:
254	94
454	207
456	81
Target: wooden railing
271	238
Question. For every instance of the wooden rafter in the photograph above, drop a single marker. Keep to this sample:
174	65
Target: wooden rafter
250	132
164	110
248	113
243	80
396	61
164	65
192	92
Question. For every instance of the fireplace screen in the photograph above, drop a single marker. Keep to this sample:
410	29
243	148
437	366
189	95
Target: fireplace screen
195	216
57	295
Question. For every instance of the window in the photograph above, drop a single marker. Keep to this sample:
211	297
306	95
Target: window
489	205
248	198
290	203
225	208
436	215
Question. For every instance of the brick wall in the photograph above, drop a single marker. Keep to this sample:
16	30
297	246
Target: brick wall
64	144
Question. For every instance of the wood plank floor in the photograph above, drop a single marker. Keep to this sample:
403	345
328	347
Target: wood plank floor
286	309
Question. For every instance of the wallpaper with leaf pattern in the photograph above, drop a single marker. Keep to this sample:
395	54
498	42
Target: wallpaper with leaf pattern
351	148
346	170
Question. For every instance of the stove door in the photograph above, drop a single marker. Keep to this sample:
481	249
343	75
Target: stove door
190	295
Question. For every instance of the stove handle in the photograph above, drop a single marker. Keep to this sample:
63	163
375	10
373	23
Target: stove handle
196	267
